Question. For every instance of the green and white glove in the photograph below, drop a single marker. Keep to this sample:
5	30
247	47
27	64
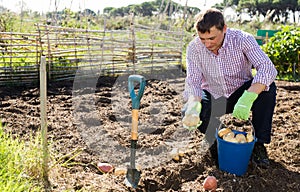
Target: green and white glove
243	106
191	119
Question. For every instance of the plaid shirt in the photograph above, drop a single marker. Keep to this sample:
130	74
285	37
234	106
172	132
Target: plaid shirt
224	73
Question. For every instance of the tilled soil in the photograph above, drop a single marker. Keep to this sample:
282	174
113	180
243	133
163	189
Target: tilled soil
90	122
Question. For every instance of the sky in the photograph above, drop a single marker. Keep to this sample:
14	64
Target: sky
95	5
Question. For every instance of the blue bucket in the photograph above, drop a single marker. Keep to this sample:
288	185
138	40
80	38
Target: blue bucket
234	157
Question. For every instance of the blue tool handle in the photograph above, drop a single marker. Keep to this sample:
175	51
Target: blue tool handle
136	98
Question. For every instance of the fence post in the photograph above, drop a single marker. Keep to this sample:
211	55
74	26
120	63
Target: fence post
50	59
102	44
43	108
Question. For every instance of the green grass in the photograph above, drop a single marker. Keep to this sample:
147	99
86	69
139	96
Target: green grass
20	164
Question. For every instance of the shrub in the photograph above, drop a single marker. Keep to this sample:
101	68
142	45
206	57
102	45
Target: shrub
283	50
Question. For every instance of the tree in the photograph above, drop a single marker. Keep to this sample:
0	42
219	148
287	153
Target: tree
278	8
147	9
89	12
136	9
107	10
166	7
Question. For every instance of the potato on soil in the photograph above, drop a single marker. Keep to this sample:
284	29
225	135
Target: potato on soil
210	183
105	167
120	171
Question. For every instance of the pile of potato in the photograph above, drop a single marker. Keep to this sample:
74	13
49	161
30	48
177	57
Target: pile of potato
228	135
235	130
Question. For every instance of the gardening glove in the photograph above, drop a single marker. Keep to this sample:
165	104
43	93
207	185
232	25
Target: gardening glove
191	119
243	106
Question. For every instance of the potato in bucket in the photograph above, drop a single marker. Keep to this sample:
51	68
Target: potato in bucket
234	148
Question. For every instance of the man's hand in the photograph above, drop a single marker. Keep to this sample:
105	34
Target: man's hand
243	106
191	119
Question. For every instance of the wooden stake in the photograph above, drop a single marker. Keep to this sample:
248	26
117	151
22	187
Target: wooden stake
43	108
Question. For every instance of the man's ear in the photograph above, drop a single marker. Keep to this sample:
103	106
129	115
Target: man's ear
225	28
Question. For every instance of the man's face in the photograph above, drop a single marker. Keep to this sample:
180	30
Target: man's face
213	40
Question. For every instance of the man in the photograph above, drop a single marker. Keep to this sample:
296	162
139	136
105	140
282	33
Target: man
219	77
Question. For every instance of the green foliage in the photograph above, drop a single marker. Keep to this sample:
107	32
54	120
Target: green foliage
273	9
68	18
19	163
118	18
283	49
7	20
250	27
118	23
149	8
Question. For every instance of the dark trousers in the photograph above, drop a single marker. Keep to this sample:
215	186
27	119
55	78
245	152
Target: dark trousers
262	112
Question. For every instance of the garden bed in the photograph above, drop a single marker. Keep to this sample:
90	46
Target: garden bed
94	123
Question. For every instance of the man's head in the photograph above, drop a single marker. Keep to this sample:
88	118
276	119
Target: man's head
211	29
209	18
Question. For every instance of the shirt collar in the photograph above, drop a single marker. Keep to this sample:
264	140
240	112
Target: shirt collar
225	42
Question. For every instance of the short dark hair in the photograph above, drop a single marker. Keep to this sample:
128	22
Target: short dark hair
209	18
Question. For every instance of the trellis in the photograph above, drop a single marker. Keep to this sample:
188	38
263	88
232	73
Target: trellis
112	52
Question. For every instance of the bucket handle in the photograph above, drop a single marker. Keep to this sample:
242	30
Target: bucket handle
253	130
